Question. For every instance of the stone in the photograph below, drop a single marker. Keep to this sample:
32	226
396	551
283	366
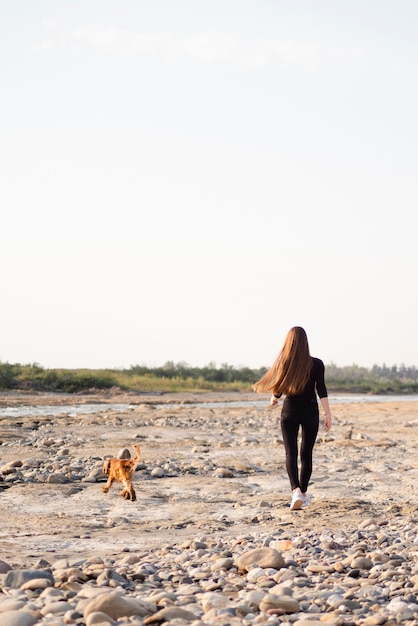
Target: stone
48	442
11	466
123	454
361	562
31	462
56	607
36	583
255	574
157	472
110	575
17	618
4	567
57	478
261	557
283	603
17	577
315	622
171	613
116	605
214	601
11	604
222	564
96	618
223	472
375	620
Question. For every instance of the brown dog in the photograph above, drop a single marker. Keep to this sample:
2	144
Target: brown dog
122	470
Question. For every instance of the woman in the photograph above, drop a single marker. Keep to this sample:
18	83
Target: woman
299	377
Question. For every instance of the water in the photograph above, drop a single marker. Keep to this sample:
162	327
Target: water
73	410
65	409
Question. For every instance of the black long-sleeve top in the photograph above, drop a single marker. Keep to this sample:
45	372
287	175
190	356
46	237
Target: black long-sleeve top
316	383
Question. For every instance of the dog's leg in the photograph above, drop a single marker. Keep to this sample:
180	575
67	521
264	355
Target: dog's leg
128	491
125	494
108	485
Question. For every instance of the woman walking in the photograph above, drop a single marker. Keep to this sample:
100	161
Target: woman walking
299	377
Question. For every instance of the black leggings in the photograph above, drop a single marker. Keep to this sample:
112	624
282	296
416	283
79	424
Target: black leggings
295	413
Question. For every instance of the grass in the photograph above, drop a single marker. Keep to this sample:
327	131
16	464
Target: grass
184	378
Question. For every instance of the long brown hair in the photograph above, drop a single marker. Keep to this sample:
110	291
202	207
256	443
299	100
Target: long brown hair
290	372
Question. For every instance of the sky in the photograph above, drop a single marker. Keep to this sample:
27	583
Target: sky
185	181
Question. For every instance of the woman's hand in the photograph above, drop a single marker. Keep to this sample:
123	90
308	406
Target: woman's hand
327	411
327	422
273	400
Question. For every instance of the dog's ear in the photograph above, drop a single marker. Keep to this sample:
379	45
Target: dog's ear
106	467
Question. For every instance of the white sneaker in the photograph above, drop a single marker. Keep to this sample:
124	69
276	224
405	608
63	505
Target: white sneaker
297	500
306	499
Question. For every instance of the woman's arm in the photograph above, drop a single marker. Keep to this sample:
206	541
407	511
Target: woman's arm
328	416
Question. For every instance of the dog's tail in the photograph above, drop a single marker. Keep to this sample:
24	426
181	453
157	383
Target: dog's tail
137	456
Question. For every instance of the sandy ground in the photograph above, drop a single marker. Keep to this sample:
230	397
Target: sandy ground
366	467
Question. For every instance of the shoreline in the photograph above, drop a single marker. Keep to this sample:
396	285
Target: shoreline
44	398
208	476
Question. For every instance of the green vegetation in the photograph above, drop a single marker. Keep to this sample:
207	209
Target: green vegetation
170	377
380	379
175	377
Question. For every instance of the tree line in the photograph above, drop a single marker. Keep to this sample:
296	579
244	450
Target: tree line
183	377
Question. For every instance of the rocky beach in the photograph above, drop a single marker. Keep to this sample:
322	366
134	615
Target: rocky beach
210	539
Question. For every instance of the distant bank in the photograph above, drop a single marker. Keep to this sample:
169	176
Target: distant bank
181	377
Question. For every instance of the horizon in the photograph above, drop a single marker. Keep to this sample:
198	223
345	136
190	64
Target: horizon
210	365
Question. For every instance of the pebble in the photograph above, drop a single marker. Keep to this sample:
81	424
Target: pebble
228	580
367	575
59	467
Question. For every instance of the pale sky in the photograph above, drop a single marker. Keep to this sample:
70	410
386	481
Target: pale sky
187	180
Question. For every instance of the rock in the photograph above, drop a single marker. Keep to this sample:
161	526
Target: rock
56	478
214	601
4	567
57	607
11	467
283	603
374	620
367	522
17	577
339	567
17	618
94	619
255	574
261	557
316	568
123	454
171	613
116	605
222	564
48	442
12	604
31	462
222	472
94	476
99	619
110	575
157	472
361	562
36	583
